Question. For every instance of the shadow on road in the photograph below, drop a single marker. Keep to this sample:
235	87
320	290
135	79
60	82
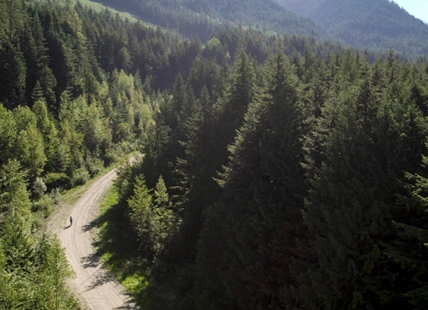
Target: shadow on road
128	306
90	261
100	278
90	226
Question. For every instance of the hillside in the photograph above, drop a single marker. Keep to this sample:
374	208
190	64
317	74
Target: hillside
202	17
376	24
278	172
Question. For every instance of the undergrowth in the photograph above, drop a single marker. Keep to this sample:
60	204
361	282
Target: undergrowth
116	248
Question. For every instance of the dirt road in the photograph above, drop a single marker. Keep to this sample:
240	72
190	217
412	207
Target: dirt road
95	287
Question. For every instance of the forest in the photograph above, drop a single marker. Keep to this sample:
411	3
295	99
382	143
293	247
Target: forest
377	24
279	172
299	185
203	17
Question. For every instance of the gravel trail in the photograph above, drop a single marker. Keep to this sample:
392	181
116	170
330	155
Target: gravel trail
96	287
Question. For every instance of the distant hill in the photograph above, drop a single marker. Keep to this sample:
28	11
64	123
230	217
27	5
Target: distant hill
202	17
373	24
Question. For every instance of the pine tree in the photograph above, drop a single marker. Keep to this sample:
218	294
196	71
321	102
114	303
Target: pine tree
49	133
14	198
48	84
52	272
14	17
263	188
150	218
345	217
35	55
12	79
29	145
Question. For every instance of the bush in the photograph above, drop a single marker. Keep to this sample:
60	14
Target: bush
110	157
95	165
44	206
38	221
54	180
55	195
38	188
79	177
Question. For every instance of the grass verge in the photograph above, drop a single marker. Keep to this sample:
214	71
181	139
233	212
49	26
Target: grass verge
116	249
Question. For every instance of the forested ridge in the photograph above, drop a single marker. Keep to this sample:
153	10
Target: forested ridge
378	24
301	184
72	101
202	17
278	172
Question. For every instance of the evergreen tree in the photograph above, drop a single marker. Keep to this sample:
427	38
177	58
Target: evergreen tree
14	17
261	201
52	271
35	55
12	79
29	145
150	218
14	198
49	133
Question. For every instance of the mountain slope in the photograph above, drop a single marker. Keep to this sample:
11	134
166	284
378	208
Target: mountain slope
202	17
374	24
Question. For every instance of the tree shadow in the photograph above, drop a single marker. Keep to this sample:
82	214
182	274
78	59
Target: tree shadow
90	226
117	241
100	278
90	261
129	305
115	237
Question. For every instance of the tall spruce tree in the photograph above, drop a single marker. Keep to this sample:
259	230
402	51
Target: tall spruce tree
345	218
12	79
261	203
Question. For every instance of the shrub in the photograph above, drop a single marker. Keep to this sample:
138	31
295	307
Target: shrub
38	188
44	206
79	177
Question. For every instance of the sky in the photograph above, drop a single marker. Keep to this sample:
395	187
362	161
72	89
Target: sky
417	8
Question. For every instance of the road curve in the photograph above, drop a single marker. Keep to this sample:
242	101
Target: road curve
95	286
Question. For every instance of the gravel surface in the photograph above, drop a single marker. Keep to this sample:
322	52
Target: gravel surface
96	288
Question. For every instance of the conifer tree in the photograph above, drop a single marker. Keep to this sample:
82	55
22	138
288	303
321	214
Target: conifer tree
12	79
49	132
151	219
35	55
52	271
345	218
14	198
357	226
48	84
14	17
263	188
29	145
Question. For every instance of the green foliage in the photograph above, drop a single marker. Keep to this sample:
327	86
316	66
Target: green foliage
201	18
151	218
29	143
379	24
14	198
49	132
37	276
33	270
320	203
45	205
262	189
79	177
266	182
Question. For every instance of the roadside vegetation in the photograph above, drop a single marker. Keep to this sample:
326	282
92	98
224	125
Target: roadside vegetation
278	172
